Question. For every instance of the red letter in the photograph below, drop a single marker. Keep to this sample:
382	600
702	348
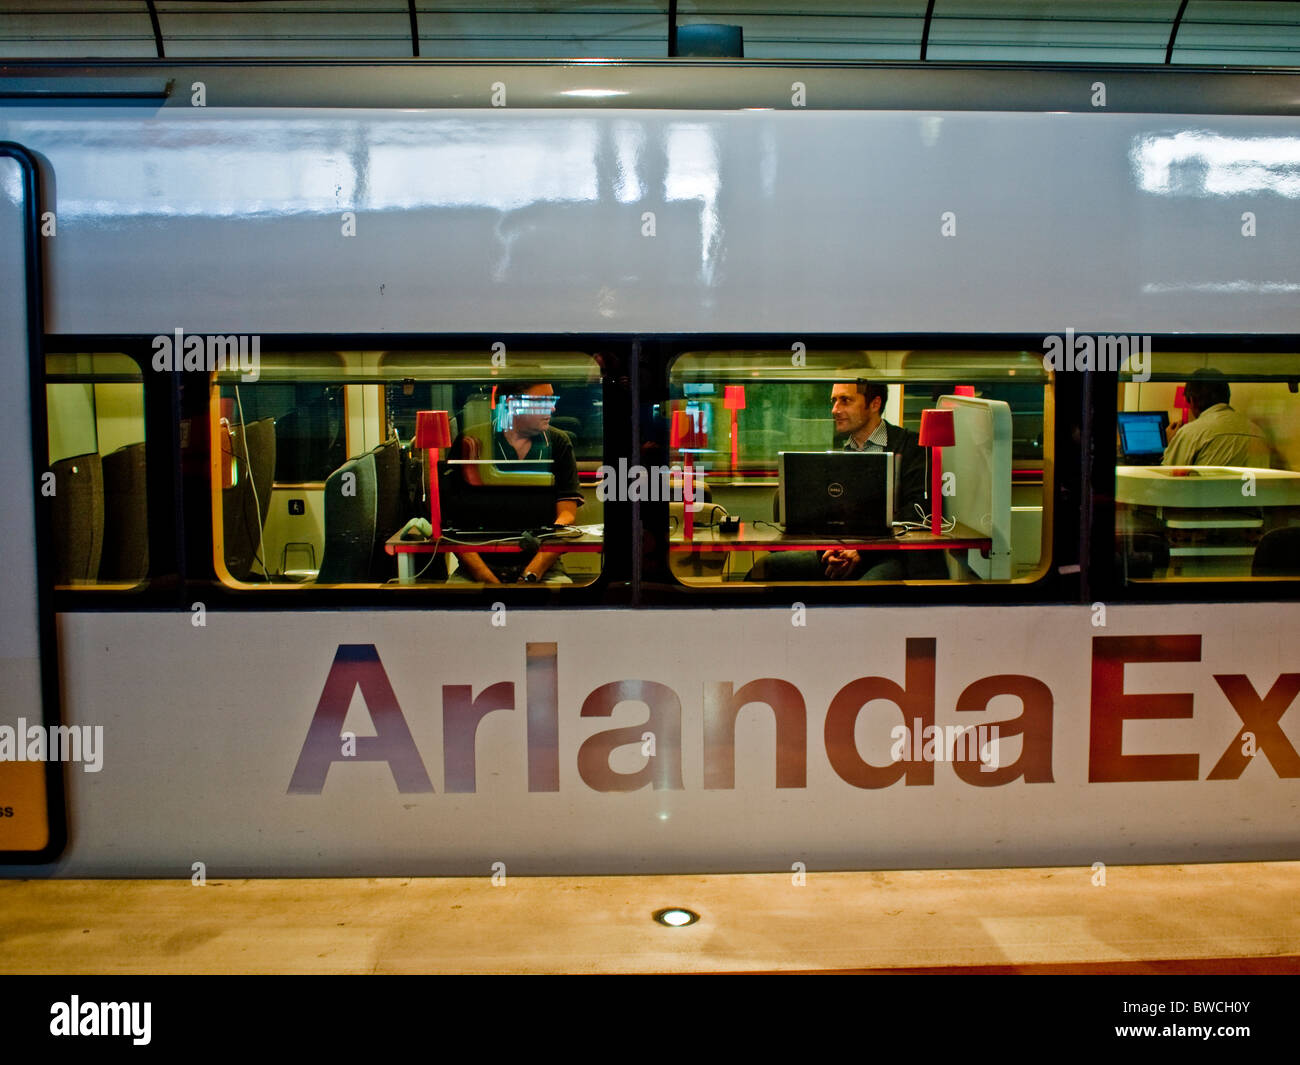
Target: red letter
1034	724
357	665
916	701
461	713
543	709
1107	761
1260	716
664	768
722	707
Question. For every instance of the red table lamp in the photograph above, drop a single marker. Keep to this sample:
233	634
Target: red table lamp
432	432
687	435
733	399
1180	401
937	433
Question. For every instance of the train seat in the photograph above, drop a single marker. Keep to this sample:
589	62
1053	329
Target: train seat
350	522
77	518
364	505
125	554
1141	556
1277	554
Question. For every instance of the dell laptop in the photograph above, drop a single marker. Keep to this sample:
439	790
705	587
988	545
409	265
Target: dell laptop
837	493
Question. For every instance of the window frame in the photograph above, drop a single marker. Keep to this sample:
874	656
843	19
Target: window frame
101	589
429	594
1038	585
634	377
1108	578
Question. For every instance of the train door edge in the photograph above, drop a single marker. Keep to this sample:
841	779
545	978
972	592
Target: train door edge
33	824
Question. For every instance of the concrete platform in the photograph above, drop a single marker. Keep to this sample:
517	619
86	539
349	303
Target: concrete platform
1186	918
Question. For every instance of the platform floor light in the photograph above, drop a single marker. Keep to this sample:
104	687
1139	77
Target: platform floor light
937	432
676	916
432	432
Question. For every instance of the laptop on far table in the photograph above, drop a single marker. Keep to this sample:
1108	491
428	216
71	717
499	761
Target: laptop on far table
1142	436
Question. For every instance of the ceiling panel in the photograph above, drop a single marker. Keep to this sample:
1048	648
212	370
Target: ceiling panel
1229	32
68	30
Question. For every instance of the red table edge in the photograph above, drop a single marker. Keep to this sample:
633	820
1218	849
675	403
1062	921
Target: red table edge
428	547
973	542
979	543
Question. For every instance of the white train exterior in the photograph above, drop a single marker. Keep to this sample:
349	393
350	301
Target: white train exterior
647	200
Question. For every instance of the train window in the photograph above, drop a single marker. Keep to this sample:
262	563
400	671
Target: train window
1207	468
321	476
775	434
95	482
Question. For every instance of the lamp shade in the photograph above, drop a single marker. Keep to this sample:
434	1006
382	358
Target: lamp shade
964	390
937	429
733	397
687	434
432	429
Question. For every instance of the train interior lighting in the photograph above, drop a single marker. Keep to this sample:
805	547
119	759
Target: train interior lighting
330	410
1224	502
787	407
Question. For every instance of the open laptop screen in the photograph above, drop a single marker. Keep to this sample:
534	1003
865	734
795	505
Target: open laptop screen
837	493
1142	436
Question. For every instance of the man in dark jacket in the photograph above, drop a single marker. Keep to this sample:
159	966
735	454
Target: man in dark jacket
856	409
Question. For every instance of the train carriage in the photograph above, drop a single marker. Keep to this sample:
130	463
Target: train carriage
233	293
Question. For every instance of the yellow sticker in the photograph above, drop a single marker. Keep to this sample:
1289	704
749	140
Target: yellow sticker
24	818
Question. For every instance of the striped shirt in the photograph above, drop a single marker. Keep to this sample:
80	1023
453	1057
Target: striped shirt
877	441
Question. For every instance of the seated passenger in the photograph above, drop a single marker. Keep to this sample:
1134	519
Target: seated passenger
523	431
856	410
1217	435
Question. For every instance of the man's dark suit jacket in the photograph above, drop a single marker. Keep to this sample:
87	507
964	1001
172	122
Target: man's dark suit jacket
909	491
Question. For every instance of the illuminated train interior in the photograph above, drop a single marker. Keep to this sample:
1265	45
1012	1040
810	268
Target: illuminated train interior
259	455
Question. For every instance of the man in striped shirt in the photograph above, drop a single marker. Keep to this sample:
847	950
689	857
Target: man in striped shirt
856	408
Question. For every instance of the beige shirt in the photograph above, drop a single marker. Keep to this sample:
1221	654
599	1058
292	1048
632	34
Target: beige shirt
1219	437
